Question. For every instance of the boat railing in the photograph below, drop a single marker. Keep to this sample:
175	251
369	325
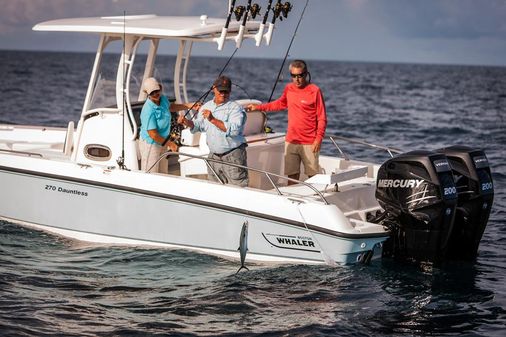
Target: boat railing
98	111
390	150
268	175
22	153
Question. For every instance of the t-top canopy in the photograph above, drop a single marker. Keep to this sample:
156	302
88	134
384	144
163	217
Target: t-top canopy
145	25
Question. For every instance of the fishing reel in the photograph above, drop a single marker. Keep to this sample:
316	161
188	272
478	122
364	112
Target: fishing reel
285	9
175	129
239	12
255	10
281	10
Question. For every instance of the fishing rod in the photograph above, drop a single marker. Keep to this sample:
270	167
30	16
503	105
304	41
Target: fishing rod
224	30
277	11
239	37
177	128
260	33
289	46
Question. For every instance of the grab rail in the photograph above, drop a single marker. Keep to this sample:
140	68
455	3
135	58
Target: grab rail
269	175
362	142
29	154
99	110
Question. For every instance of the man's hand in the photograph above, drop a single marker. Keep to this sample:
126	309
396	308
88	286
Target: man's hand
207	114
197	106
184	122
172	146
317	145
181	120
251	107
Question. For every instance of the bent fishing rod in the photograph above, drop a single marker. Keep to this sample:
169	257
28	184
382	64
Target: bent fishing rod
201	98
285	9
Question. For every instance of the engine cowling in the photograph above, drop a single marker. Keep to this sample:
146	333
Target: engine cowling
475	191
419	196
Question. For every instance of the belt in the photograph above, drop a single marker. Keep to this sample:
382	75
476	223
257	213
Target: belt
242	146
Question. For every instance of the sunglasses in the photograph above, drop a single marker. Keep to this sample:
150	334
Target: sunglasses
301	75
224	92
155	93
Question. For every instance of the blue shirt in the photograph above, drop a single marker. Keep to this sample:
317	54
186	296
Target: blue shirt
233	117
155	117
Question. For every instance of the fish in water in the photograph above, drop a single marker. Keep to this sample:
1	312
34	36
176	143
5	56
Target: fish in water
243	245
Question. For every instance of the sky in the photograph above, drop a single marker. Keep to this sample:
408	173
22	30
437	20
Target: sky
470	32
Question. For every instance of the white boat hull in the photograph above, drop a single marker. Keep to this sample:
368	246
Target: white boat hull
95	204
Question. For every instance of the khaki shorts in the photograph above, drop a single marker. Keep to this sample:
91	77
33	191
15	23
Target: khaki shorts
150	154
297	153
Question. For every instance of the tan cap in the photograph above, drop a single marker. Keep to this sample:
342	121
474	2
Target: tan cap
151	84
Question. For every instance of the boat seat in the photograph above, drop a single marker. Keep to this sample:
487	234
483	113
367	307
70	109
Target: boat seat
69	139
339	175
255	123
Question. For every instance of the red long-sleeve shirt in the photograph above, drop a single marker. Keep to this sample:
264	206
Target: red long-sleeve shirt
307	118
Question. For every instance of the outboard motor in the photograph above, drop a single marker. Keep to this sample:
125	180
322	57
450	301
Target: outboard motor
475	192
418	193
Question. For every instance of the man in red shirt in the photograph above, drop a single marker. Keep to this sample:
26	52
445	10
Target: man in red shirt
307	120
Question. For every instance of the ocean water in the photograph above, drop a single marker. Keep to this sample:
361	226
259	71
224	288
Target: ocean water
50	285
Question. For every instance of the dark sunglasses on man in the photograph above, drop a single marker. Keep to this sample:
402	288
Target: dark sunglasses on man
301	75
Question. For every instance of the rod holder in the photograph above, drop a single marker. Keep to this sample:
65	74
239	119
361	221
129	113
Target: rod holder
221	39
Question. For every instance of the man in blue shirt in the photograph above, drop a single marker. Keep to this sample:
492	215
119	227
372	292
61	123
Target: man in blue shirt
155	126
223	122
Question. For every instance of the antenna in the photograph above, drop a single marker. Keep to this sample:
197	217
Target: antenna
121	159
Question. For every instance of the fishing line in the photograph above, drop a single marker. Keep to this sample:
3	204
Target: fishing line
328	260
243	90
287	51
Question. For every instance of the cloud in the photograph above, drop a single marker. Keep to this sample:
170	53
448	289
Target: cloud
448	19
427	31
21	15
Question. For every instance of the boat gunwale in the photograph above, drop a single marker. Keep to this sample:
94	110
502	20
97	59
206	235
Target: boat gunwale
283	221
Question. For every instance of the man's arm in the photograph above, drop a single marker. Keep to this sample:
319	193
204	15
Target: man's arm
234	125
159	140
175	107
207	114
321	121
278	105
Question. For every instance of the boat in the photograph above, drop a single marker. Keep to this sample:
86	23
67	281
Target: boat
84	181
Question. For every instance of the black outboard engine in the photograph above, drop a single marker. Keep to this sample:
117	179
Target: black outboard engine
418	193
475	192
